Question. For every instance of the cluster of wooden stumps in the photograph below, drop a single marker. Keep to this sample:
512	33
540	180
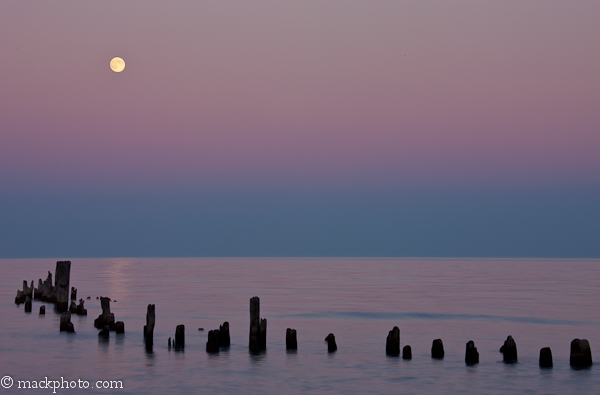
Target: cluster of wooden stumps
580	357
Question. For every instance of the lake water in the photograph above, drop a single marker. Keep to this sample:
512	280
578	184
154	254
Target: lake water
541	303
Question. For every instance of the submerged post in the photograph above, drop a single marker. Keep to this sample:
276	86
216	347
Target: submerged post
546	358
471	354
437	349
581	354
509	349
258	327
291	343
180	338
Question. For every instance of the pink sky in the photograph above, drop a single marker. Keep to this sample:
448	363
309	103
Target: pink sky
299	95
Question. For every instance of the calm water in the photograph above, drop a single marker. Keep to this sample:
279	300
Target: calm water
541	303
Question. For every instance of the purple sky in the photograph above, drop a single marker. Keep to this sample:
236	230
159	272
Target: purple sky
310	97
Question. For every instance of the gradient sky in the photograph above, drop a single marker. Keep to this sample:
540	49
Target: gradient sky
307	128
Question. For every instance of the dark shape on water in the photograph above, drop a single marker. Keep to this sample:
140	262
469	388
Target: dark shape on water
42	310
201	329
179	344
437	349
169	343
392	343
331	345
149	327
212	345
105	332
471	354
291	342
80	310
509	349
546	358
120	327
61	284
28	304
258	327
88	297
106	318
65	322
26	292
73	293
581	354
224	339
406	352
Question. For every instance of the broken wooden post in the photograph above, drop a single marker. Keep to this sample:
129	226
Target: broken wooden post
28	304
581	354
180	338
61	284
106	318
509	349
546	358
65	322
42	310
224	339
392	343
258	327
407	352
73	293
291	342
331	345
212	345
149	327
471	354
437	349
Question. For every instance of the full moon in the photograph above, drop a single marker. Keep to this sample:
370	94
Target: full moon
117	64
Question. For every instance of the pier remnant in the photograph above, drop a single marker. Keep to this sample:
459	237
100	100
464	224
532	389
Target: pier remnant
46	289
509	349
42	310
149	327
546	358
212	345
392	343
65	322
291	343
61	284
106	318
471	354
331	345
73	293
105	332
437	349
120	327
179	338
407	352
28	304
581	354
224	339
258	327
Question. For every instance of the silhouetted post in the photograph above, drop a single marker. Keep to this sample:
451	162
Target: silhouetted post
581	354
106	318
42	310
471	354
392	343
291	342
331	345
258	327
224	339
65	322
180	338
149	327
437	349
73	293
406	352
61	284
546	358
509	349
212	345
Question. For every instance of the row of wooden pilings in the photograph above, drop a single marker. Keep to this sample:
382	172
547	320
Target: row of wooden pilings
581	355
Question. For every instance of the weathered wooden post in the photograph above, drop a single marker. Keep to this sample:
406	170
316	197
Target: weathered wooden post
258	327
65	322
406	352
61	284
73	293
392	343
212	345
437	349
331	344
471	354
509	349
291	343
180	338
224	339
149	328
581	354
546	358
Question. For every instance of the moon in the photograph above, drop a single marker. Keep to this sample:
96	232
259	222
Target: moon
117	64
